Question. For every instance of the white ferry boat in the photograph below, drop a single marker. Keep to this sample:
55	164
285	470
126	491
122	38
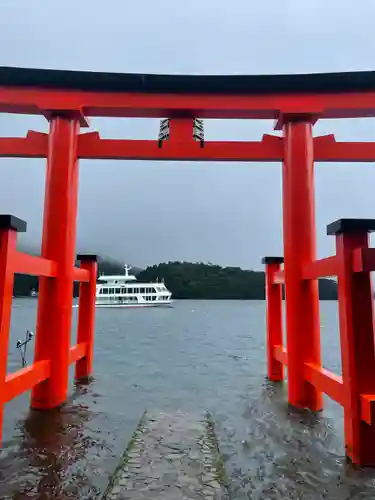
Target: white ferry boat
125	291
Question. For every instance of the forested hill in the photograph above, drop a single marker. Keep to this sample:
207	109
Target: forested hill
204	281
23	284
191	281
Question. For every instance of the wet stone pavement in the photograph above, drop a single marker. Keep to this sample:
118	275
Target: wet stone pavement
171	456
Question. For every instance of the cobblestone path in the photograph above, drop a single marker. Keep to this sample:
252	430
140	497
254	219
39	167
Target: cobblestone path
172	456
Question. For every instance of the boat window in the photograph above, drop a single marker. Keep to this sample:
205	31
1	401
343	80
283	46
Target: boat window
118	290
136	290
105	291
111	291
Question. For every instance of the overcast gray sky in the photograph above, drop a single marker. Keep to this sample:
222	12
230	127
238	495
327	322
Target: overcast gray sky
146	213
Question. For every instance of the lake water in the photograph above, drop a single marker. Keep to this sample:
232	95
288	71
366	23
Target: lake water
199	355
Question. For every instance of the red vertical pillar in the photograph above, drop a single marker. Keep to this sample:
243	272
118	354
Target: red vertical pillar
275	369
86	316
356	315
181	129
9	226
58	244
302	297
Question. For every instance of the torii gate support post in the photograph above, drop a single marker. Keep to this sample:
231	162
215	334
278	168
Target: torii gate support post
58	244
86	317
9	226
302	297
275	368
356	318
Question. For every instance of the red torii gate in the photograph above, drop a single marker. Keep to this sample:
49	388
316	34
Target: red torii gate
68	98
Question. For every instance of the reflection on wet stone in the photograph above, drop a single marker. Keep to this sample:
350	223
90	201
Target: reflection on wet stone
177	458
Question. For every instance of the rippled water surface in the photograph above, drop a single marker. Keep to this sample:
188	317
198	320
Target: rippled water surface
199	355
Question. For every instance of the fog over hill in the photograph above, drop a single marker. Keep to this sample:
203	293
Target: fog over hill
146	212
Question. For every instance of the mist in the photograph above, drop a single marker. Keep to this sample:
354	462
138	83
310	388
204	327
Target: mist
144	213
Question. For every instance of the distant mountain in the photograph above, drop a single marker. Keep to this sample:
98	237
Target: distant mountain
188	280
23	284
107	265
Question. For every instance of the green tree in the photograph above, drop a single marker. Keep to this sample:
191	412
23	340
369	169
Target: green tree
187	280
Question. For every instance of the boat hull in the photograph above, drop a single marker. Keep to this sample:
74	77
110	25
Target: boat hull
133	306
129	306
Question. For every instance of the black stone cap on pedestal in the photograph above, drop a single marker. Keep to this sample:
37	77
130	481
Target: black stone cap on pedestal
272	260
12	222
87	256
351	226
